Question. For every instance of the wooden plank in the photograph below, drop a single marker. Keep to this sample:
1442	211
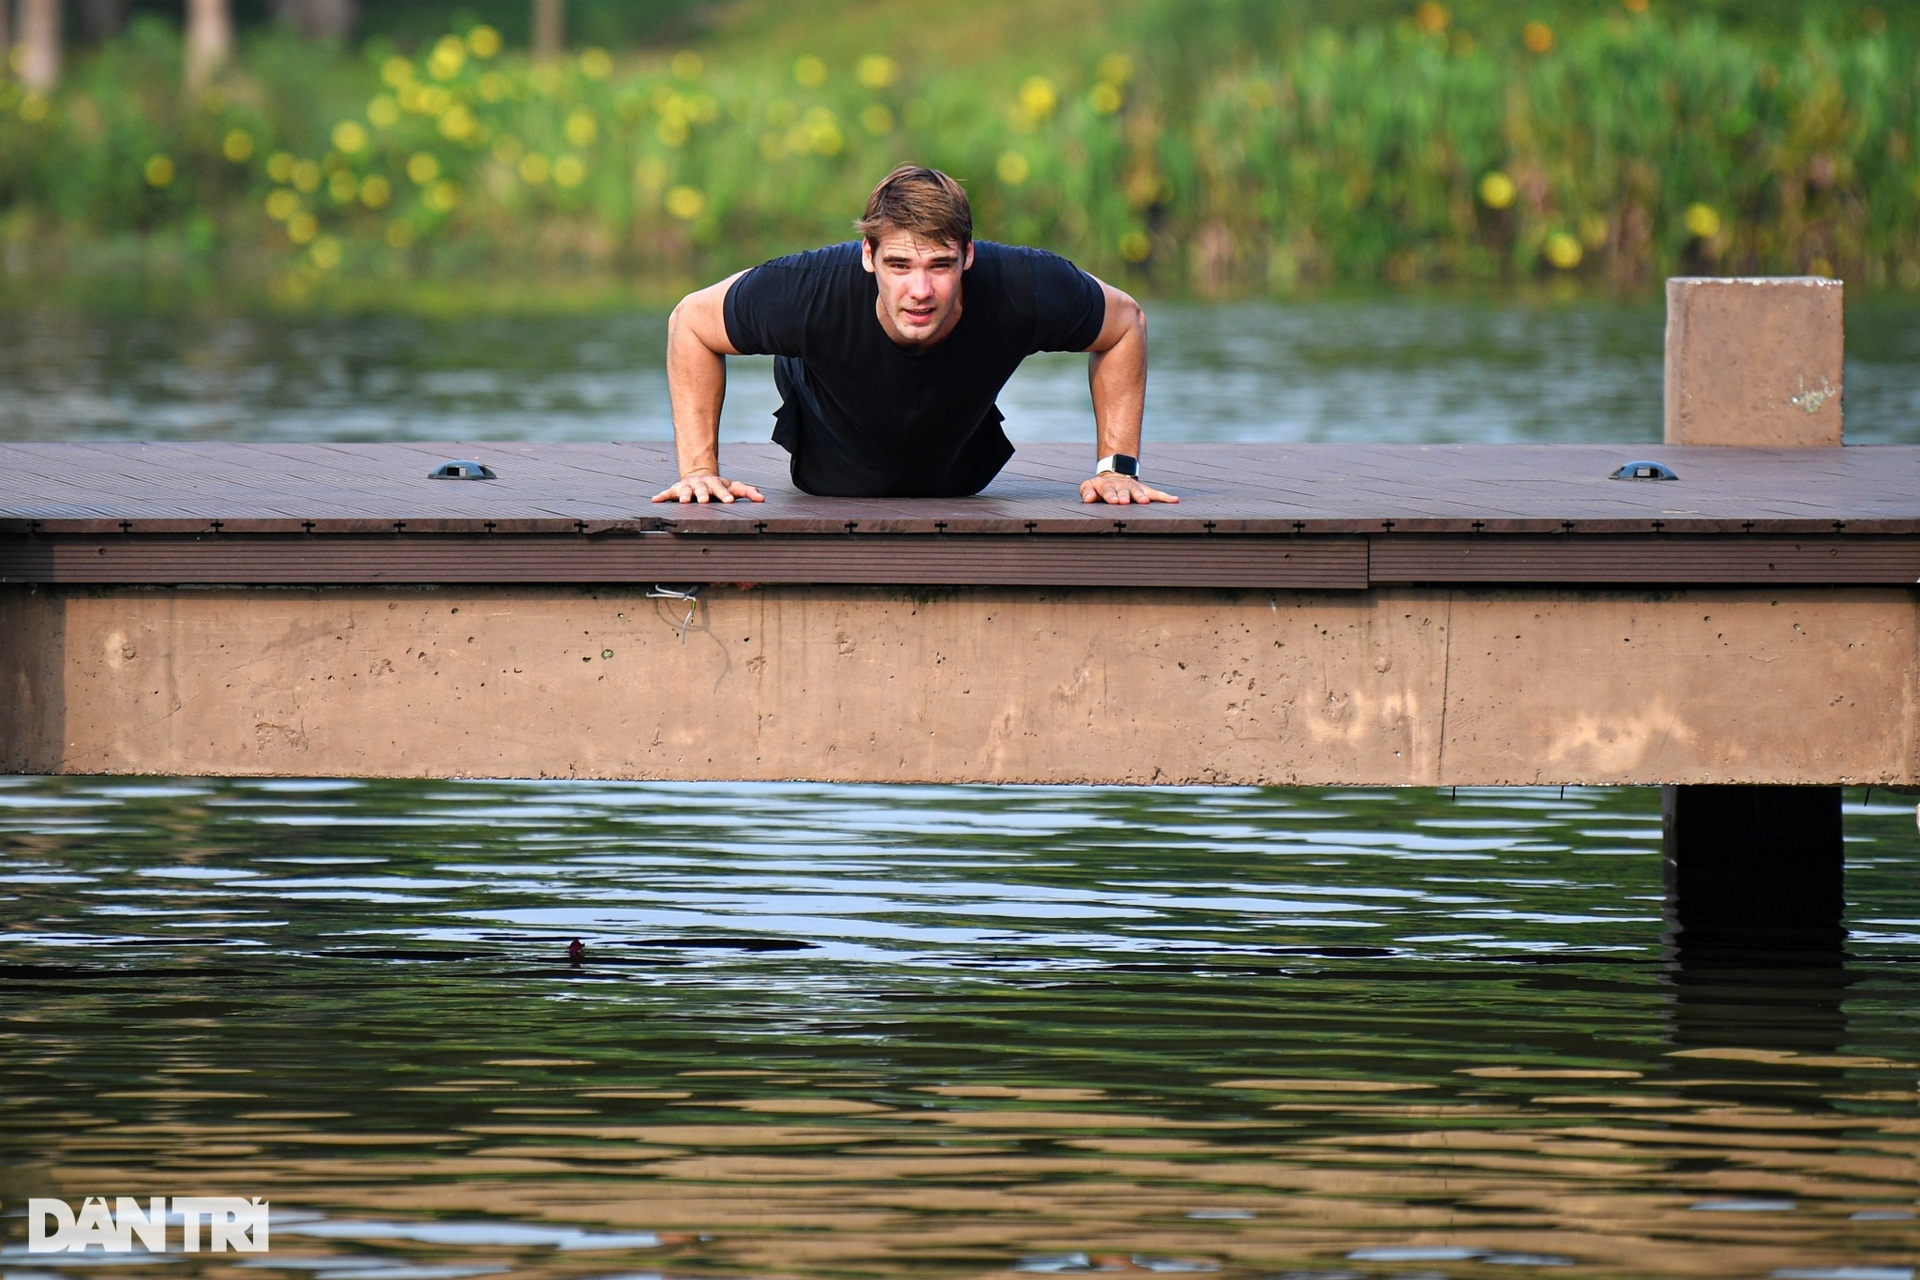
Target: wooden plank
1244	490
255	560
1645	561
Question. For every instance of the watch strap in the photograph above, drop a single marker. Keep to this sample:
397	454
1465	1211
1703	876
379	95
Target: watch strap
1120	464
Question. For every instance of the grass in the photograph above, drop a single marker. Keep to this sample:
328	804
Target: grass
1238	146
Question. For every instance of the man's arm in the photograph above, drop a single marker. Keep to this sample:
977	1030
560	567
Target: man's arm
697	351
1117	374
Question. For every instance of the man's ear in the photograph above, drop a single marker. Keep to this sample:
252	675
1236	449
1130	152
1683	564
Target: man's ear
866	255
968	264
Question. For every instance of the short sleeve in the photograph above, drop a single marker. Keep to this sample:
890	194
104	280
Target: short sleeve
759	312
771	309
1069	307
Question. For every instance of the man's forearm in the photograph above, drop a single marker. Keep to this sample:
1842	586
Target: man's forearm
1118	379
696	387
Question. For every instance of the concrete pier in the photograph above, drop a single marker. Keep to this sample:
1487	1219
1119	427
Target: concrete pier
1754	362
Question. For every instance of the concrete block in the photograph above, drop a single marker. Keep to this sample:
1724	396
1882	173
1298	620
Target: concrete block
1754	362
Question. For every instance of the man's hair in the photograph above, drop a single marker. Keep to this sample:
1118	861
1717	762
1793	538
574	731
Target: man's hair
923	201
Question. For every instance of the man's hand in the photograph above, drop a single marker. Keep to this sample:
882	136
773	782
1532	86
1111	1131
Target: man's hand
1111	486
707	487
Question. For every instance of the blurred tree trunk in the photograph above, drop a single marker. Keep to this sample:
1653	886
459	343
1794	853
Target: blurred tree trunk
317	19
40	44
549	28
209	41
102	19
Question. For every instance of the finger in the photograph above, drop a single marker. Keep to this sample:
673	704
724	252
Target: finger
1089	491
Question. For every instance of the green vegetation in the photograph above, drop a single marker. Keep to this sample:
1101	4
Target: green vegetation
1228	148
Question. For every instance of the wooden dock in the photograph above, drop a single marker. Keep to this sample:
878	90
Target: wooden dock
1334	517
1307	614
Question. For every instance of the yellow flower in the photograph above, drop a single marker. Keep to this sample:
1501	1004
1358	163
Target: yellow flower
876	71
441	197
1116	68
1497	190
1634	6
581	128
280	166
494	87
535	169
458	123
651	173
375	192
349	137
483	41
396	72
685	203
1702	221
672	131
1431	17
325	253
306	176
507	149
1104	98
1563	251
447	58
343	187
159	172
1038	98
33	108
688	65
303	229
569	172
1538	36
237	146
400	233
384	112
596	64
423	167
1012	168
809	72
1135	247
876	119
822	131
282	204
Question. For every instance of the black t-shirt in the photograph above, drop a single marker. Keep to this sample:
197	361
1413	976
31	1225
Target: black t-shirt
865	418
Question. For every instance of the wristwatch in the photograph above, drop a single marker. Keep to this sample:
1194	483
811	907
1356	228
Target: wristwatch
1119	464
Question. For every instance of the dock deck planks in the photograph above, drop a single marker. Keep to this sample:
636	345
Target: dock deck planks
1340	516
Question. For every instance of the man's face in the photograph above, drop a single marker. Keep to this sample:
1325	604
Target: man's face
919	285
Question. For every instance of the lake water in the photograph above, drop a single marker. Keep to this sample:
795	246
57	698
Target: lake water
827	1031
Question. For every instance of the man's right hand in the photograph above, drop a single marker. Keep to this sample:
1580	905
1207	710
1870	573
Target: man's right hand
707	487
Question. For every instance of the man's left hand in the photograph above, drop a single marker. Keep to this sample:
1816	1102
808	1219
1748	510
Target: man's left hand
1111	486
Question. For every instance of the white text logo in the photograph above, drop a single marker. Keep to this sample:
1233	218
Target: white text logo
226	1222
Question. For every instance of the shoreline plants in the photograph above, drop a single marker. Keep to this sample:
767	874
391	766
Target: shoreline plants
1611	149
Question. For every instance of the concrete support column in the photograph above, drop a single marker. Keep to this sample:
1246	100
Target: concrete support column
1758	363
1754	362
1753	869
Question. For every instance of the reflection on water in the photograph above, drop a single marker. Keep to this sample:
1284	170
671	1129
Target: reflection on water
832	1031
1413	370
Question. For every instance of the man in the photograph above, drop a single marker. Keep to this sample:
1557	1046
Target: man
891	350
